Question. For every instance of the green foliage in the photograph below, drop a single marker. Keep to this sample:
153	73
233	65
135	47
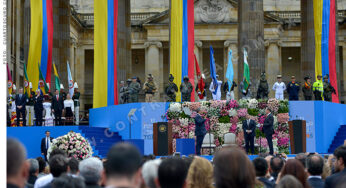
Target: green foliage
259	133
224	119
183	115
253	112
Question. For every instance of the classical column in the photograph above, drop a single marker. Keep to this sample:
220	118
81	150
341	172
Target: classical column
199	53
73	42
17	38
8	32
232	45
153	64
250	36
26	25
343	92
273	66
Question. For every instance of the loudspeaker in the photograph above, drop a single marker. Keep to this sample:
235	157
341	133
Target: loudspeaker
297	131
162	137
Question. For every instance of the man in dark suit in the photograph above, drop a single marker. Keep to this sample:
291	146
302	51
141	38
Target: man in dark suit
38	107
340	167
200	132
249	128
20	106
314	164
261	168
57	107
45	144
268	130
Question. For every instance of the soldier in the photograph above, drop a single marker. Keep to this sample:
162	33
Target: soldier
201	91
212	88
318	89
246	93
263	88
62	93
30	107
293	89
328	89
171	89
279	87
149	88
307	89
76	102
229	95
134	90
122	92
186	89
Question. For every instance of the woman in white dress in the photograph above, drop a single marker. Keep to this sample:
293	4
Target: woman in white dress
69	108
49	118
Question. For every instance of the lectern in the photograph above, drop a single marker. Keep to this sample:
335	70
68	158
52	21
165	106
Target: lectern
297	131
162	138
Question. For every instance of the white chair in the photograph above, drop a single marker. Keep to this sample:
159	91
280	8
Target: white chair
208	141
230	140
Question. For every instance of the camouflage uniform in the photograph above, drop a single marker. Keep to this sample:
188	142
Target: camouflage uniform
133	90
149	88
171	89
328	89
186	89
263	88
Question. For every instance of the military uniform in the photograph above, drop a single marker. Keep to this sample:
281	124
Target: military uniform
30	110
76	102
263	88
307	90
318	90
149	88
328	89
171	89
133	90
122	95
246	93
186	89
293	91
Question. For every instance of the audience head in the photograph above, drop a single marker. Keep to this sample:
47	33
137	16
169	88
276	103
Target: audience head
73	165
314	165
57	152
34	166
232	168
150	172
340	155
261	166
289	181
123	162
58	165
302	158
172	173
200	173
295	168
91	170
41	164
17	166
66	181
276	164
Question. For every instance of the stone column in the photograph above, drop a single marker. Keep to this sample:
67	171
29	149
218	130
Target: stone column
17	41
72	57
232	45
8	32
199	53
251	37
26	29
342	91
153	64
273	66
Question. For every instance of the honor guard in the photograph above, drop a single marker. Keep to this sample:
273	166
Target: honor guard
30	107
307	89
293	89
328	89
318	89
76	102
279	87
171	89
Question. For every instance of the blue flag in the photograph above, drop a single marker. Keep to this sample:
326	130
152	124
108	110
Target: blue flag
213	70
229	72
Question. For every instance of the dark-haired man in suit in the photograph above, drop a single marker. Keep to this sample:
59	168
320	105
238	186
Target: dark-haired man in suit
249	128
200	132
45	144
20	106
314	165
268	130
57	106
340	166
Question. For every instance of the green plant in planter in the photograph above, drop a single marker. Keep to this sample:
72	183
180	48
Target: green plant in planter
253	112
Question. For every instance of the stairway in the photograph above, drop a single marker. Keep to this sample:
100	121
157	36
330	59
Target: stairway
101	139
339	139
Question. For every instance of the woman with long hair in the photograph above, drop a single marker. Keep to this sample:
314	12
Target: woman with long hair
296	169
200	174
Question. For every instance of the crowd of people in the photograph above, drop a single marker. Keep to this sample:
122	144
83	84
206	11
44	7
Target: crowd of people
124	167
36	108
320	90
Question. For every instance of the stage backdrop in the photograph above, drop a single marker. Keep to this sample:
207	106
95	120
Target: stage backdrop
115	117
323	120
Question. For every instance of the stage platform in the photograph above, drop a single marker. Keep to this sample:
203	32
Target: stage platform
323	119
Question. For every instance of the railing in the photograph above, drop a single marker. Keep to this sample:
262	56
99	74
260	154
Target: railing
142	16
297	14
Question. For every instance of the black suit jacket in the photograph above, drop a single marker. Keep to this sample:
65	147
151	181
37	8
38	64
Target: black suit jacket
333	180
266	182
200	126
43	144
268	125
251	127
21	101
57	105
38	103
316	183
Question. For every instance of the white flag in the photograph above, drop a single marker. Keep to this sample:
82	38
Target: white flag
70	80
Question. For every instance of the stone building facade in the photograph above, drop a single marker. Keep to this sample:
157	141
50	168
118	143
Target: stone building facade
216	24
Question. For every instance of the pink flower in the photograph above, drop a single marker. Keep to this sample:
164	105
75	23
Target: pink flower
242	112
283	118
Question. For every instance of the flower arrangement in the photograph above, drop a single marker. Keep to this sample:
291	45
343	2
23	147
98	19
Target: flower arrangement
73	144
223	117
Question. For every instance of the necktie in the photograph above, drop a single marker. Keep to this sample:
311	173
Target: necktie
47	139
57	97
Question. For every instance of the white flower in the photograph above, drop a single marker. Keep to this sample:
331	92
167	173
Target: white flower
184	121
175	107
252	104
232	112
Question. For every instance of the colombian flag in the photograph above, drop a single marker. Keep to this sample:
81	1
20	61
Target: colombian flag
41	40
325	33
105	54
182	42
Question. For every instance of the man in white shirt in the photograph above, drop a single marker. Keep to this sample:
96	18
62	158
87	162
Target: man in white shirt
279	87
212	88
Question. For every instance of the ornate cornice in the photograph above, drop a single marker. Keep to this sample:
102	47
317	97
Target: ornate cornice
149	43
198	43
273	41
228	43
